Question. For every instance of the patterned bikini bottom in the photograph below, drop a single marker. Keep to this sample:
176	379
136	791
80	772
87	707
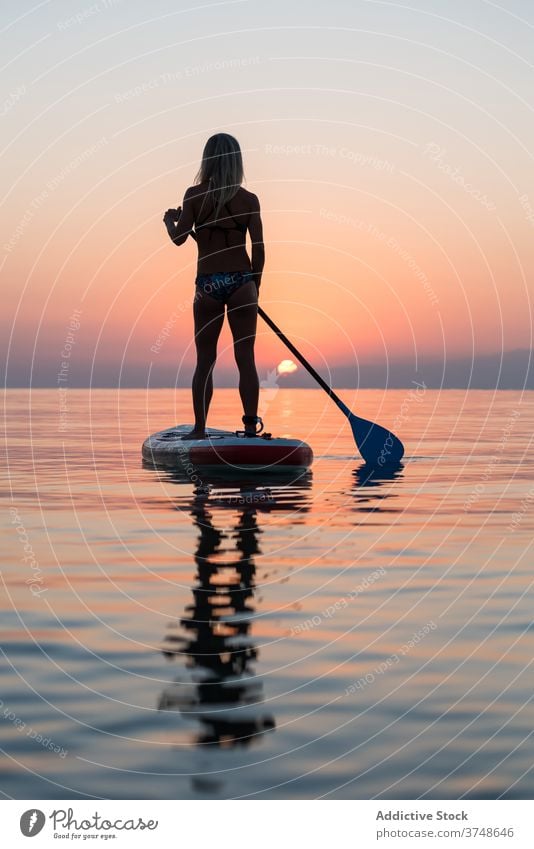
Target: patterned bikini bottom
222	284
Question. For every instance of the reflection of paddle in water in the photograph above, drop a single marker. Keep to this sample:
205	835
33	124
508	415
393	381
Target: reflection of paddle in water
367	480
226	697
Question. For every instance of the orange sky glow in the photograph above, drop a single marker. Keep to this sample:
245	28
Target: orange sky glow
395	180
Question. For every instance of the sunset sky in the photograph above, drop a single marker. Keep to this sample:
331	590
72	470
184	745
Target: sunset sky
390	145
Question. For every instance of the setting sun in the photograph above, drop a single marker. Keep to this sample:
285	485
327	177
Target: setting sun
286	367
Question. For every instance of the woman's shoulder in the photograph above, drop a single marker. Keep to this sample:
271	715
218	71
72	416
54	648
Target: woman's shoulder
248	200
196	196
246	195
194	191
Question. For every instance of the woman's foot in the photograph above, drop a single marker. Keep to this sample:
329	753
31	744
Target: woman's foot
253	425
195	434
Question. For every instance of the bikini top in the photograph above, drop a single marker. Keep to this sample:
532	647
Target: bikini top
238	225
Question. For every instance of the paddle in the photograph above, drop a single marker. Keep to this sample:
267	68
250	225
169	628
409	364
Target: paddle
377	445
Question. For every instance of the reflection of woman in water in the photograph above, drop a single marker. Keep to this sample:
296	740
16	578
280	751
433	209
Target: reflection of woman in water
222	212
219	647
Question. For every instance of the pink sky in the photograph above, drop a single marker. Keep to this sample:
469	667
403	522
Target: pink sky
391	154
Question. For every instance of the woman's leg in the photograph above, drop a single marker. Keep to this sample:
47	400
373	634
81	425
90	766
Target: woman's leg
209	317
243	316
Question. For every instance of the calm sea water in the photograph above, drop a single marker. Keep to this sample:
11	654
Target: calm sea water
343	635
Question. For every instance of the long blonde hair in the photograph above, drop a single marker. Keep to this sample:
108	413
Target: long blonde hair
222	167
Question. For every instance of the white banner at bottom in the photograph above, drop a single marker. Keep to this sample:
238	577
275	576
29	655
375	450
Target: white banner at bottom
313	824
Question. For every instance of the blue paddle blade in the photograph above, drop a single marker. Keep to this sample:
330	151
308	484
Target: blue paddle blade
377	445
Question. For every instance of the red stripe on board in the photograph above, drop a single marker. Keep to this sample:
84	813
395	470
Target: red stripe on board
239	455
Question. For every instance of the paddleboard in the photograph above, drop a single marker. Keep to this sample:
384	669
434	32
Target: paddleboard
224	450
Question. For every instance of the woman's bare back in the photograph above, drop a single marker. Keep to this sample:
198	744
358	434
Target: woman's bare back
222	242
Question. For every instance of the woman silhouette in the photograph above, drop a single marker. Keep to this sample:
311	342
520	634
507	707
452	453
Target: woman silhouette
221	211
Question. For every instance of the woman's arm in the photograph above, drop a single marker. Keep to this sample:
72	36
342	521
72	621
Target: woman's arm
179	222
255	228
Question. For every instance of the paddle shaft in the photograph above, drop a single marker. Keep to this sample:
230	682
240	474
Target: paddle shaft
309	368
361	428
